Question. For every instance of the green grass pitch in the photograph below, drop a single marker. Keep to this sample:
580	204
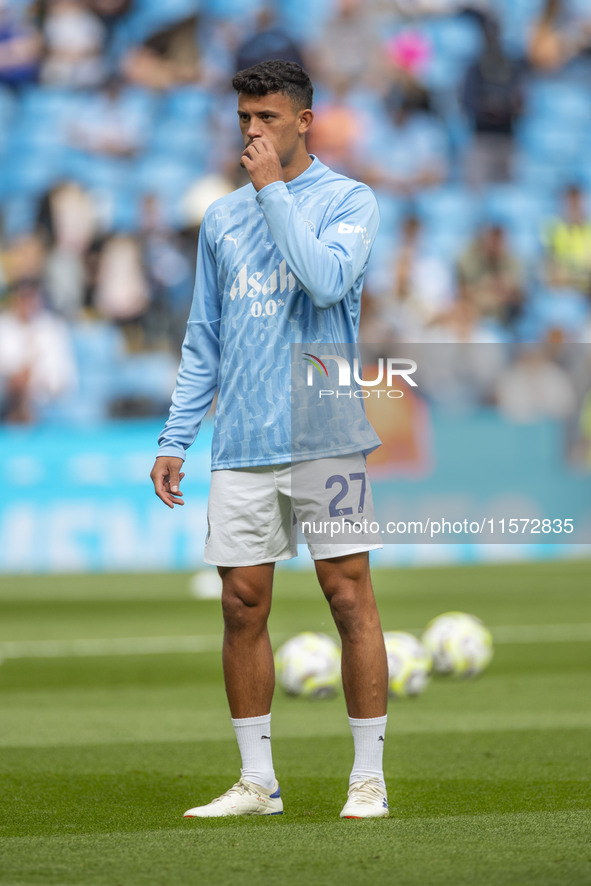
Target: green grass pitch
104	746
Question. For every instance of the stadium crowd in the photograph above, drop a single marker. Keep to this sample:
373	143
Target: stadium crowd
470	120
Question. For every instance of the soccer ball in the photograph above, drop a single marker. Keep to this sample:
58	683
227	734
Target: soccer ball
409	665
309	665
460	644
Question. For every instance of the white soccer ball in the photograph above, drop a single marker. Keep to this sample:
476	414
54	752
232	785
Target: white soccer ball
460	644
409	665
309	665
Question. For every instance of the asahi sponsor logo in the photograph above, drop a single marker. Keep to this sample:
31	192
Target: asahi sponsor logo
256	284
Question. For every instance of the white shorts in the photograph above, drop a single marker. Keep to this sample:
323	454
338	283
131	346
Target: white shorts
253	513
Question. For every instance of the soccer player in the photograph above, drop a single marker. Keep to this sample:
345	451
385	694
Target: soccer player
280	261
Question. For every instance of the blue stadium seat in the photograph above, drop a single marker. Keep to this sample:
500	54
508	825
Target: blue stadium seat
150	376
583	179
392	210
162	174
516	18
99	172
443	74
151	16
563	145
19	211
141	101
516	207
545	175
522	212
555	103
304	17
563	309
449	208
98	351
527	244
180	140
27	134
231	9
47	106
32	172
119	208
97	345
7	107
189	104
456	37
447	244
20	5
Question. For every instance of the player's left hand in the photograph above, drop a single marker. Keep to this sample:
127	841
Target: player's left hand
261	161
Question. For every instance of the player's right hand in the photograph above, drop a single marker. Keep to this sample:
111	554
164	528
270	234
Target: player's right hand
166	476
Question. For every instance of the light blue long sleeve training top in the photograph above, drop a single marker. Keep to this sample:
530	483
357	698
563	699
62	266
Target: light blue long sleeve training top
281	266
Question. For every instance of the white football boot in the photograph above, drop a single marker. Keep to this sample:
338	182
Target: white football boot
366	799
243	798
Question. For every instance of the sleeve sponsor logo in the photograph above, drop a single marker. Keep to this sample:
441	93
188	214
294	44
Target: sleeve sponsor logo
345	228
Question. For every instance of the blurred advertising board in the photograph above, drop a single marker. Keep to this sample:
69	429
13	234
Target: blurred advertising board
77	500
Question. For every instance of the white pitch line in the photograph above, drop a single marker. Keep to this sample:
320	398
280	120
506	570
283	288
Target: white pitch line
550	633
115	646
502	635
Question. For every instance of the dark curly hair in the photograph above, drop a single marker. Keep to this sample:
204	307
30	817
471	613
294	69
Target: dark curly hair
276	76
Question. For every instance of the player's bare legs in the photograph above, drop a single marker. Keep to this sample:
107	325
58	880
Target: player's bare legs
346	583
249	671
249	674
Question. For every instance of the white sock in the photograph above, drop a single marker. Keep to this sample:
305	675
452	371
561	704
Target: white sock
368	740
253	735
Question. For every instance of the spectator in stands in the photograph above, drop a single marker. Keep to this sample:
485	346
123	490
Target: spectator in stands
268	41
419	8
492	99
407	151
420	290
36	360
24	257
557	37
491	276
408	53
20	48
108	124
74	41
335	135
462	322
582	443
169	272
567	242
68	221
167	59
374	120
110	11
464	375
349	52
2	271
534	388
121	292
